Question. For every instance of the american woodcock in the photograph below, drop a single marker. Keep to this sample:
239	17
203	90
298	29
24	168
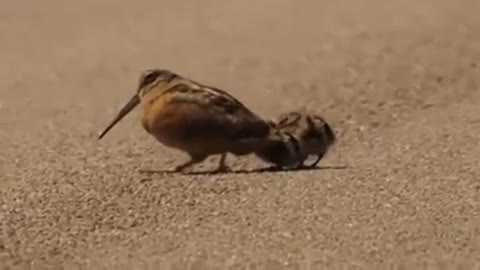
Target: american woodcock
197	119
297	136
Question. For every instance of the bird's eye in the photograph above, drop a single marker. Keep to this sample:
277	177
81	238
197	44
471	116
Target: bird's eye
147	79
150	78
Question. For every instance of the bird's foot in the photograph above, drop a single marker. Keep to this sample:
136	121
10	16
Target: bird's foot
194	159
180	168
222	168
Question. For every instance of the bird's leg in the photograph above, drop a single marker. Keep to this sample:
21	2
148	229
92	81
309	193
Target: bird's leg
313	164
194	159
222	166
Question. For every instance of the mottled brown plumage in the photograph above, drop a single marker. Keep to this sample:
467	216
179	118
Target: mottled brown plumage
197	119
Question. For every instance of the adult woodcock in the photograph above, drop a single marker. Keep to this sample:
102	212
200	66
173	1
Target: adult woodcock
197	119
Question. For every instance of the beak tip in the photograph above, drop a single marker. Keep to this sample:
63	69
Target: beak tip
100	136
124	111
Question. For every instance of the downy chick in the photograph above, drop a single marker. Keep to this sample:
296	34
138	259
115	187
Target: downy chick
297	136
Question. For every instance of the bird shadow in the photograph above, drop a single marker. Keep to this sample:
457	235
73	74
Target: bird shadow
244	171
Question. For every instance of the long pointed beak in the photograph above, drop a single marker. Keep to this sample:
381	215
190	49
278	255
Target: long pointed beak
123	112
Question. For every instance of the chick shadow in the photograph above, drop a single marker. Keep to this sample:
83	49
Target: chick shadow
243	171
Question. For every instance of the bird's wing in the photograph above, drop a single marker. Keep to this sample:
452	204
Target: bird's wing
219	112
244	124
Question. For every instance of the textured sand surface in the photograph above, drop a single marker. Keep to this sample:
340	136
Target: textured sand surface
401	78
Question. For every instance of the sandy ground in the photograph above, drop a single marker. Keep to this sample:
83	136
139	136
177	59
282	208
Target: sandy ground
401	78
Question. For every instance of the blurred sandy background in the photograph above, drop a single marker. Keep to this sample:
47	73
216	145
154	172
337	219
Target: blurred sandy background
401	77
